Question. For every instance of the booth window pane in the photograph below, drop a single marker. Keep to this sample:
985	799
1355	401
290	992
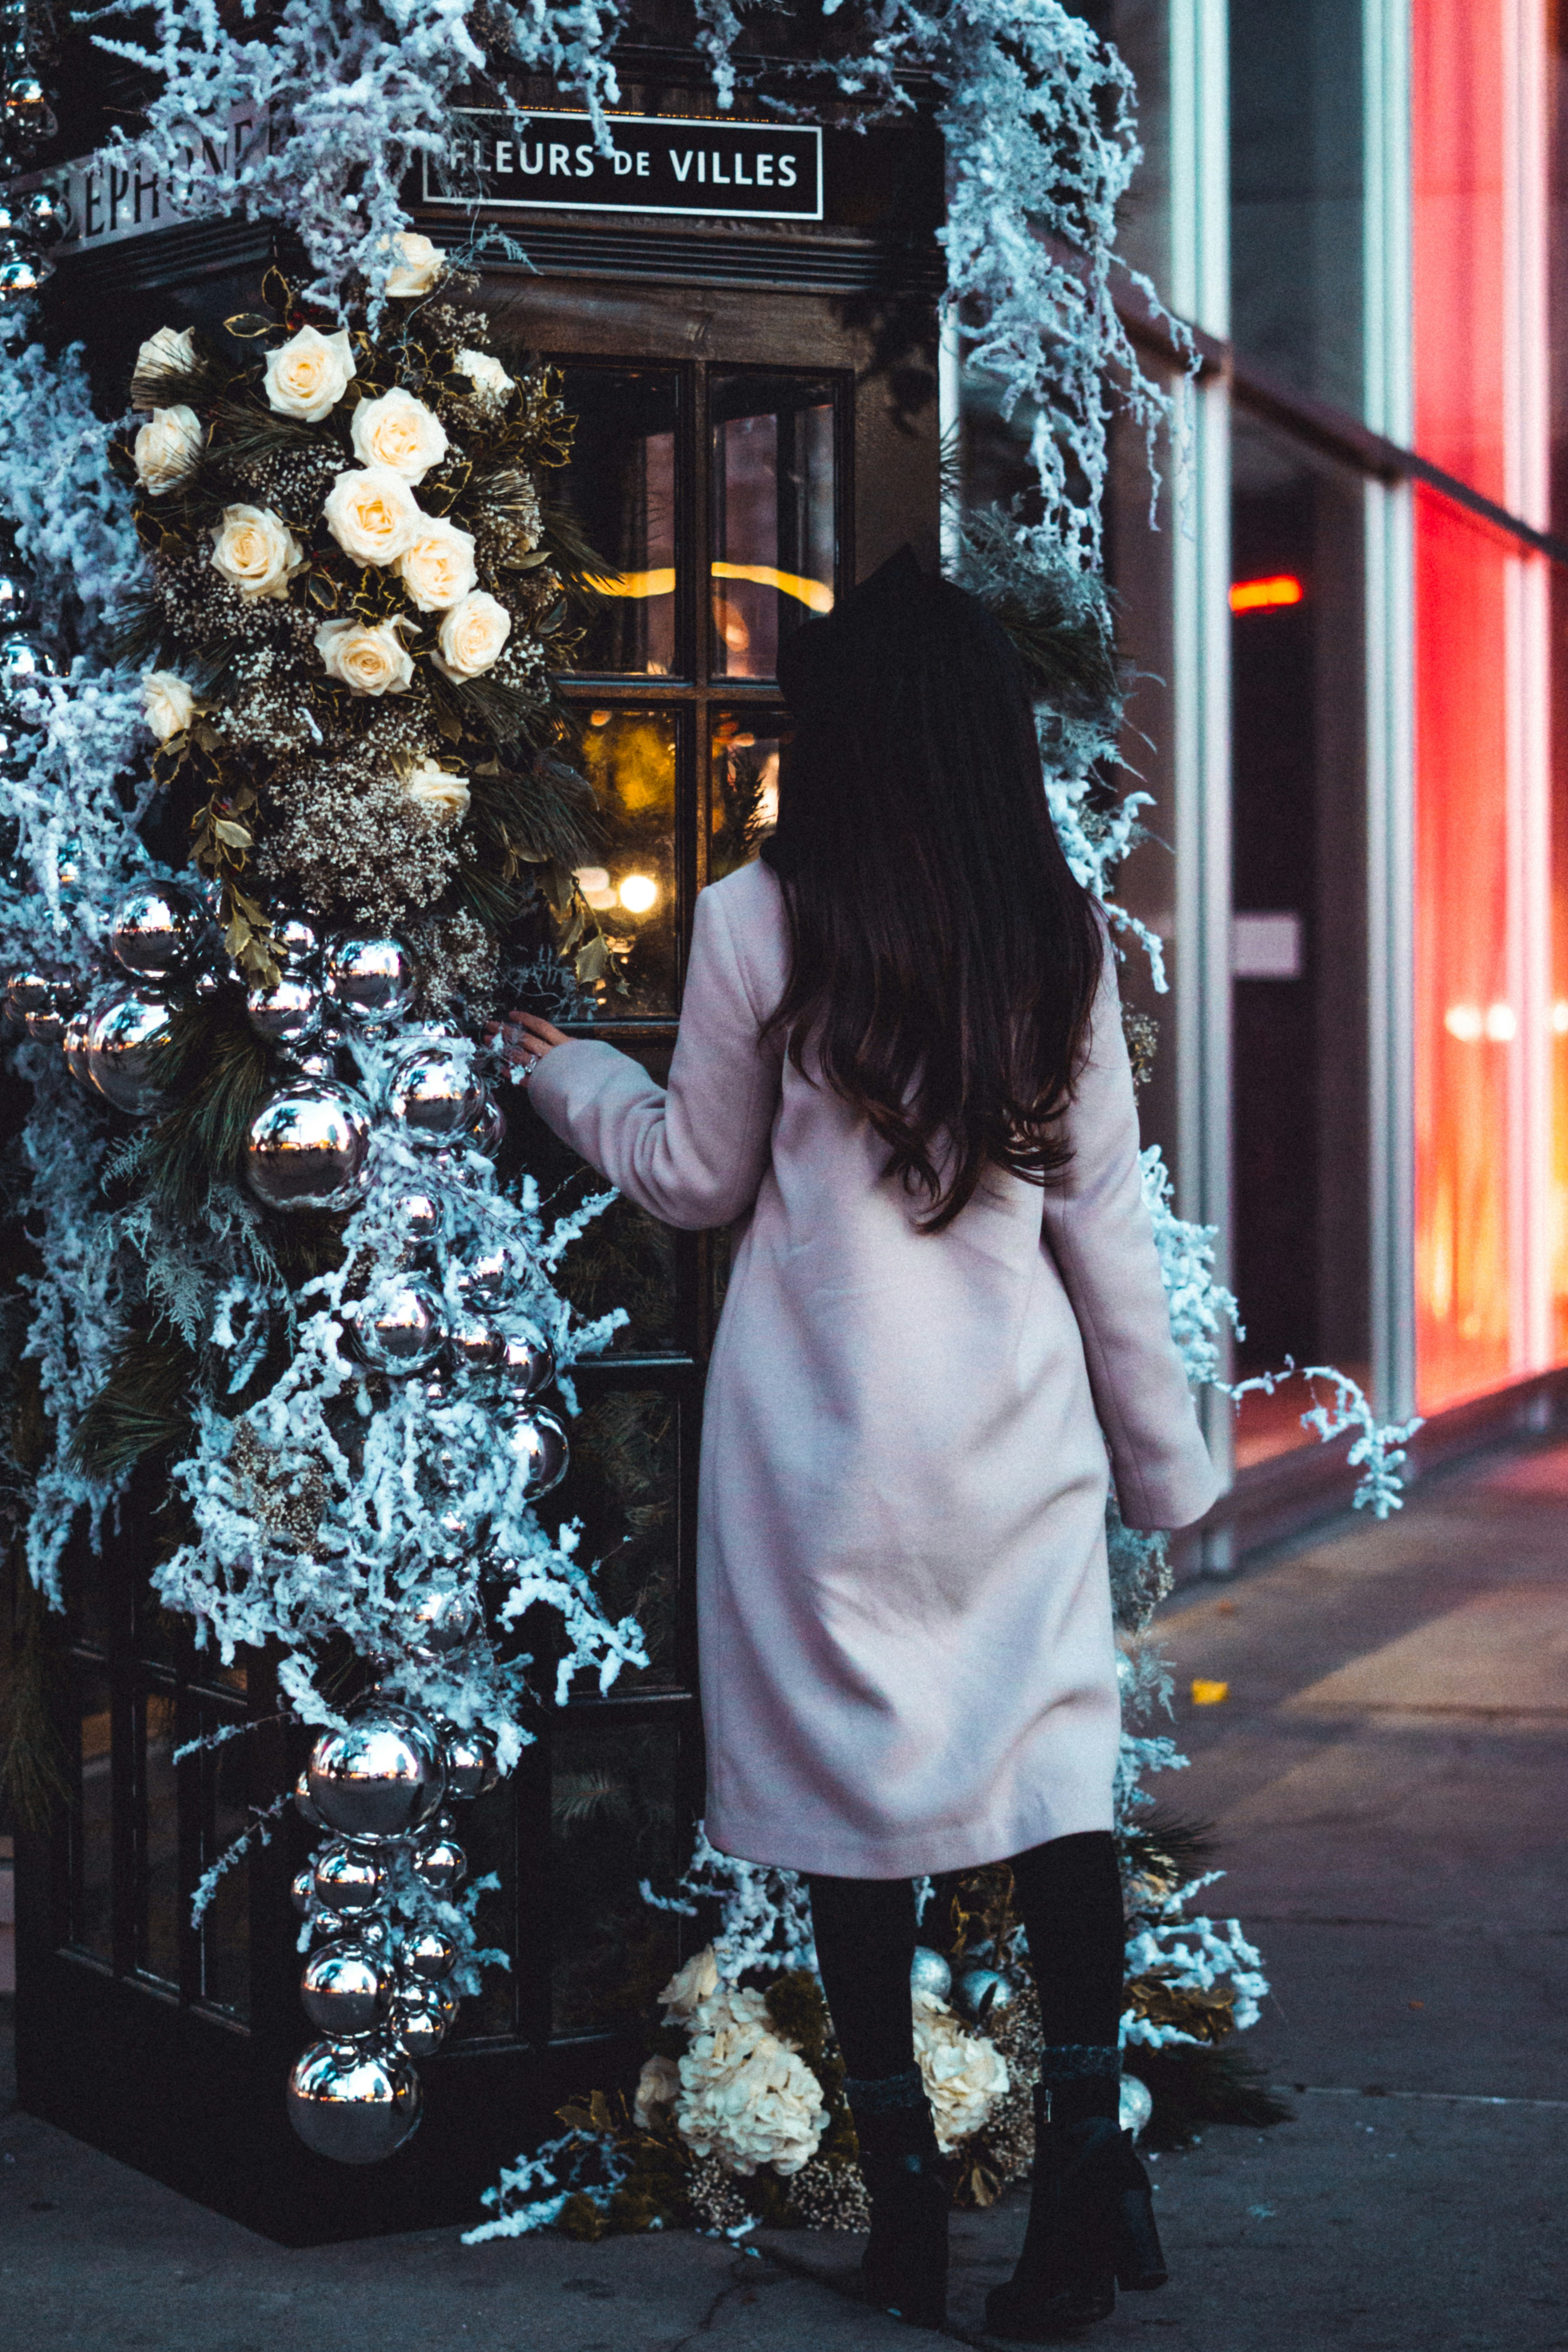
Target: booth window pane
615	1819
1299	1232
624	1257
628	757
744	803
1464	112
623	1485
226	1926
774	504
92	1892
158	1838
620	490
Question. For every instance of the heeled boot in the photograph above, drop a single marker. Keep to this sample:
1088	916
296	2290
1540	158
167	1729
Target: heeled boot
904	2270
1092	2229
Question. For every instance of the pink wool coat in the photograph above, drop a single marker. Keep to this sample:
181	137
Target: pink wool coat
907	1658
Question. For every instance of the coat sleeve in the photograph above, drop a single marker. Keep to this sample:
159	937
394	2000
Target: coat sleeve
692	1155
1099	1232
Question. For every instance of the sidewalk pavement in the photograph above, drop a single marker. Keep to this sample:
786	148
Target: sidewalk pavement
1387	1782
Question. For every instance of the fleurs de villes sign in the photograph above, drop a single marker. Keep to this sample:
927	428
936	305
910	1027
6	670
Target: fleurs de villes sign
656	163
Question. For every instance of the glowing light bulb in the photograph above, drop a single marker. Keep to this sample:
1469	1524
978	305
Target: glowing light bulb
638	893
1560	1019
1502	1023
1466	1022
593	881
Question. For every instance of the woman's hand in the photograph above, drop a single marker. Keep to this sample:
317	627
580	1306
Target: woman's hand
526	1039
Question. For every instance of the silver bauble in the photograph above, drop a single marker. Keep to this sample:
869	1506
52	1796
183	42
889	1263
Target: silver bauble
48	1027
29	117
295	942
345	1989
347	1878
127	1028
982	1994
443	1621
305	1804
486	1276
74	1042
70	864
18	605
488	1132
427	1953
474	1340
1136	2104
402	1326
22	274
24	662
537	1444
435	1092
381	1777
300	1891
153	930
929	1972
355	2104
471	1768
28	987
442	1864
316	1064
287	1013
421	2017
46	215
307	1148
371	980
418	1214
527	1365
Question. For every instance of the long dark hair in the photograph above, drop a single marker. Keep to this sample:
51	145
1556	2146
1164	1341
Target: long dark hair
943	957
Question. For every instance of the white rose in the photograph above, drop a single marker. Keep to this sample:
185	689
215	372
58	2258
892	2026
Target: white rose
373	515
658	2087
439	793
486	374
166	448
367	660
169	703
255	551
437	567
309	374
399	432
690	1986
418	265
472	636
964	2072
169	347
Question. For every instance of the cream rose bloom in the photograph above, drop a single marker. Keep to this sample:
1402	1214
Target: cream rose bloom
746	2095
399	432
255	551
658	2087
166	448
366	659
439	793
472	636
698	1982
486	374
418	265
171	347
309	374
169	704
965	2074
437	567
373	515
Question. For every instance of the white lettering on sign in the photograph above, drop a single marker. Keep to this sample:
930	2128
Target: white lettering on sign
655	163
110	201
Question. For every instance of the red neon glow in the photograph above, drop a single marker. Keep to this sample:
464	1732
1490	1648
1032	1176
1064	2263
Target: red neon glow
1265	595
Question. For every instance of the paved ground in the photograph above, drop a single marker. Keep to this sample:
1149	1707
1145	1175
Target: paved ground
1387	1777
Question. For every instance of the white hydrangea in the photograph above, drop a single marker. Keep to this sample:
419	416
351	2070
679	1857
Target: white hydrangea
746	2095
965	2074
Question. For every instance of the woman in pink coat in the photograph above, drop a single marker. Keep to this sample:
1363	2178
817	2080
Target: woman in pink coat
900	1078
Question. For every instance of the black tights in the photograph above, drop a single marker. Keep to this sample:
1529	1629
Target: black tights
1070	1900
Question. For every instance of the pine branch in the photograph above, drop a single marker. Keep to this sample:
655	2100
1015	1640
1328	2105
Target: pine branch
143	1406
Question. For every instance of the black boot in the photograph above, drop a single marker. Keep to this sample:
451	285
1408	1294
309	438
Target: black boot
1092	2229
905	2267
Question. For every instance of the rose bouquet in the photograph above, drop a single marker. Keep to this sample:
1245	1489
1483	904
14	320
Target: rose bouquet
354	616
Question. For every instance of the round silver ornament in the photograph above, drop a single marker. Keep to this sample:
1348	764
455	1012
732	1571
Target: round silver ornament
355	2104
435	1092
486	1276
442	1621
24	662
300	1891
70	864
127	1028
74	1042
488	1132
371	980
18	605
295	942
471	1768
401	1327
345	1989
46	215
22	274
419	1215
48	1027
305	1804
317	1063
28	987
307	1148
427	1953
153	930
29	117
527	1364
287	1013
982	1994
929	1972
442	1865
475	1342
537	1444
1136	2104
347	1878
381	1777
421	2017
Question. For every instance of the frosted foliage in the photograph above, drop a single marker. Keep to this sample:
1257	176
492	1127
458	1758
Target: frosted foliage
765	1914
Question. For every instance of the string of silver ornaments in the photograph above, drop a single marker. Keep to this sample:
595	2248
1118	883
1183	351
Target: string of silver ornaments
32	221
380	1787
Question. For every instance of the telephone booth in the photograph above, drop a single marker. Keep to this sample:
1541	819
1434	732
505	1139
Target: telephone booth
750	352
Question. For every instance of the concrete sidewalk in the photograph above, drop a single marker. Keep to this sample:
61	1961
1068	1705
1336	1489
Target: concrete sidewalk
1387	1781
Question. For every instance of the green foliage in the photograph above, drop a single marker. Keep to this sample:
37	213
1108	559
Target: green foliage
1192	2087
143	1405
1057	616
33	1778
219	1069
